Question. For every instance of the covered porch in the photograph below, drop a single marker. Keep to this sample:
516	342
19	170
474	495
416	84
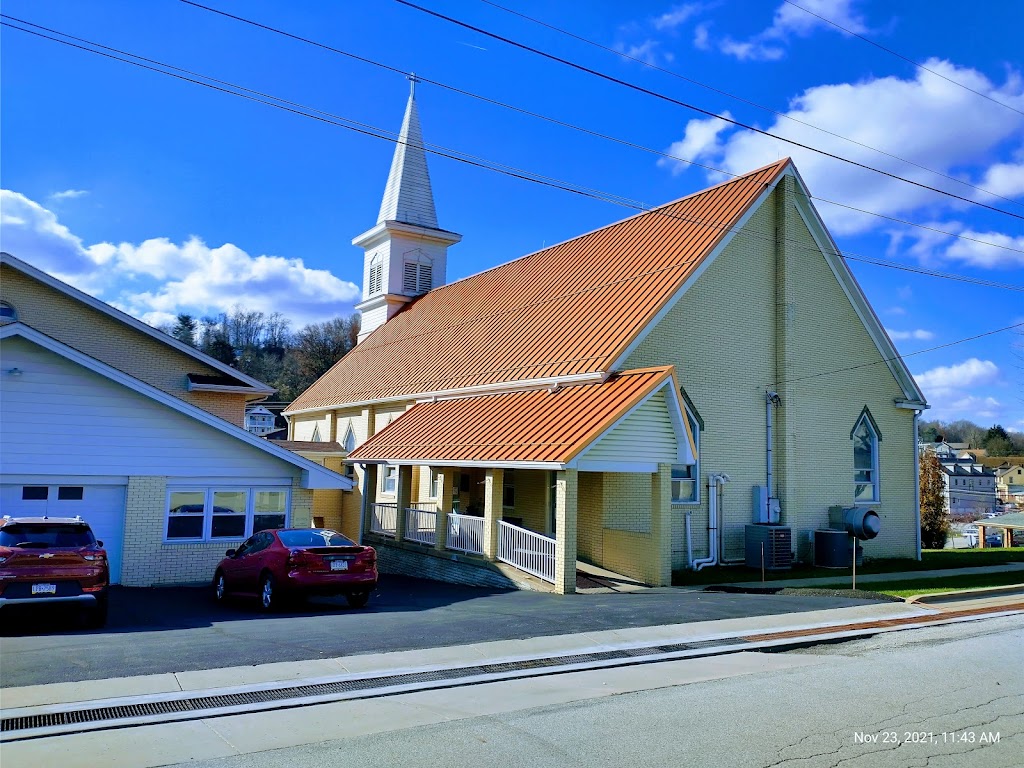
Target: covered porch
534	480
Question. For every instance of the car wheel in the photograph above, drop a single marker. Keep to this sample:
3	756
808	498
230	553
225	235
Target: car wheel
220	587
269	598
98	613
357	599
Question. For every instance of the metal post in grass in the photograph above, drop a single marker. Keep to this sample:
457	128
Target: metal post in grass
855	565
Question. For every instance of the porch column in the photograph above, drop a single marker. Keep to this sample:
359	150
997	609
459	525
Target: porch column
1007	537
445	478
369	497
566	493
981	537
403	498
494	488
660	566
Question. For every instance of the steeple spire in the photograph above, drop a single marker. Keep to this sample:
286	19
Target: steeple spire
408	197
405	253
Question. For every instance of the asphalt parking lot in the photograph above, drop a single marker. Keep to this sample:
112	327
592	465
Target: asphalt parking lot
176	629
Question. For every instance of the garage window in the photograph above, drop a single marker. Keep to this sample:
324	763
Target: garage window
215	514
34	492
70	493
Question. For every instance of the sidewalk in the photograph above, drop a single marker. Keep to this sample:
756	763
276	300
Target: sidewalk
842	576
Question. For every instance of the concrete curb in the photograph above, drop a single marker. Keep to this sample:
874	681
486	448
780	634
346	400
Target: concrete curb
966	594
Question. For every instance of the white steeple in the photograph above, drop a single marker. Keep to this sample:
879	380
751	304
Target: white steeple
408	197
406	252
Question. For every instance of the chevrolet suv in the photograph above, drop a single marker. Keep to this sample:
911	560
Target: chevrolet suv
53	560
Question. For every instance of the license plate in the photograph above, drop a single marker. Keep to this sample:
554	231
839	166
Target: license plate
339	565
44	589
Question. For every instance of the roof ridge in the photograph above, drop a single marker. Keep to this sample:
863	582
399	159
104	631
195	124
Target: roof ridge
781	163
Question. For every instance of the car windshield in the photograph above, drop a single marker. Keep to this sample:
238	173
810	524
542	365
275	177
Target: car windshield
43	536
314	538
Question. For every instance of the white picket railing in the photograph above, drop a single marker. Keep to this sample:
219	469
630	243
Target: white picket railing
527	551
465	533
421	524
384	519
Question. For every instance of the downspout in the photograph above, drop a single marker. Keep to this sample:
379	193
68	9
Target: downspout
713	484
917	482
770	399
363	506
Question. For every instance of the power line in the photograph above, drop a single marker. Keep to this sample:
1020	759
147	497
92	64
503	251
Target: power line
901	56
900	357
694	108
232	89
727	94
555	121
381	134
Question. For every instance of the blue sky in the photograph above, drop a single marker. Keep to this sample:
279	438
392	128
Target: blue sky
161	196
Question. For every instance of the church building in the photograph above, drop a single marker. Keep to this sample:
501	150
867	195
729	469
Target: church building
633	398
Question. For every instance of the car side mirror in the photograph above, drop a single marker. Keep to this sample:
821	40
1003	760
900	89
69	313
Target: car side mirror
99	542
230	553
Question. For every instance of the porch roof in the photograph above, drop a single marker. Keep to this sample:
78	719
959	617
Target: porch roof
631	422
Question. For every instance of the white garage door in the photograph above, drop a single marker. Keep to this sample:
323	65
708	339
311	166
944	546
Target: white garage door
101	506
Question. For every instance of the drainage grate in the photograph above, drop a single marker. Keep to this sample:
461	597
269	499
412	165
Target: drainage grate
200	703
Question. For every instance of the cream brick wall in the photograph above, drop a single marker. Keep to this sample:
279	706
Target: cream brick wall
114	343
148	561
722	337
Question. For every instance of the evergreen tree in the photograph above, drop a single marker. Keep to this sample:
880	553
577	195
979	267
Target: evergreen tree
934	519
184	330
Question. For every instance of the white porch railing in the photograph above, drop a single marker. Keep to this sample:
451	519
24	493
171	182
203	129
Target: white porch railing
466	533
527	551
384	519
421	522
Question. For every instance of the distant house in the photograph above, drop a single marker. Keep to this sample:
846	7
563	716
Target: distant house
104	416
633	397
259	420
969	487
1010	483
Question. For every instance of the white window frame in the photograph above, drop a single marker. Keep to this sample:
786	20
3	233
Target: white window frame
874	481
432	487
390	473
694	470
208	493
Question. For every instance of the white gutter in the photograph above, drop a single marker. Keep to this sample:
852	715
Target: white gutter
714	481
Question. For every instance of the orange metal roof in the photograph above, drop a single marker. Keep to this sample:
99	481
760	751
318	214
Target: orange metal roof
527	426
569	309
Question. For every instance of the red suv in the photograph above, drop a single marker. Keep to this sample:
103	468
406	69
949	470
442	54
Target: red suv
288	563
53	560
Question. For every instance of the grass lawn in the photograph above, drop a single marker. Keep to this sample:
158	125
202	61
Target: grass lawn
931	559
910	587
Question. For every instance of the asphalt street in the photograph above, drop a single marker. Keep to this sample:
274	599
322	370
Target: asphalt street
947	696
154	631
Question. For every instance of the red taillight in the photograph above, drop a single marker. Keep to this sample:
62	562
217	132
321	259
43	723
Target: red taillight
368	556
300	558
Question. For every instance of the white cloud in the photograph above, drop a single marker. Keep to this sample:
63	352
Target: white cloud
919	334
675	17
792	20
1006	179
899	115
953	390
699	139
68	194
647	51
156	279
970	373
753	50
788	22
977	254
702	37
896	311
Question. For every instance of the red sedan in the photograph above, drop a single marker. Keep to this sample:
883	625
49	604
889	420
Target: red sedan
295	563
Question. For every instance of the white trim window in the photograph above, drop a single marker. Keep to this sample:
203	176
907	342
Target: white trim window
215	514
865	460
435	482
685	477
389	480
